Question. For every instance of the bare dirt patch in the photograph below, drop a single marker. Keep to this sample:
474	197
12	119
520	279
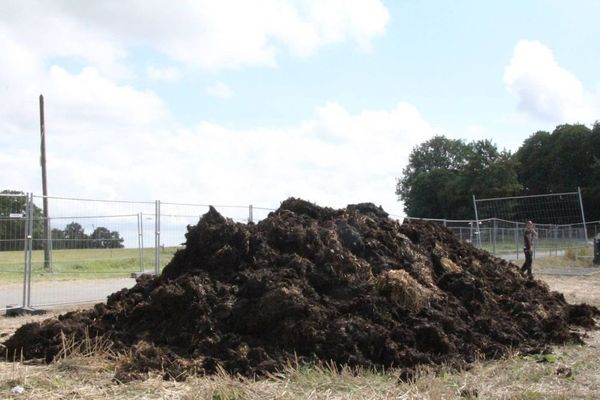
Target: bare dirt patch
577	289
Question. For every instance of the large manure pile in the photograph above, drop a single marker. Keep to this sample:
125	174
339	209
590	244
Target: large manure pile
350	286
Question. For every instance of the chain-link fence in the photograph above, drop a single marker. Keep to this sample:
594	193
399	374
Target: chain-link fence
88	249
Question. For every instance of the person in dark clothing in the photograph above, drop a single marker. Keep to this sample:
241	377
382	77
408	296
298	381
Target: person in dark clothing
528	235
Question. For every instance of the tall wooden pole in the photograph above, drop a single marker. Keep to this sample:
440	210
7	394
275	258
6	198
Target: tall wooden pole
46	238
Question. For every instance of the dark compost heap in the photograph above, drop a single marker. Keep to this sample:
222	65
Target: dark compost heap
350	286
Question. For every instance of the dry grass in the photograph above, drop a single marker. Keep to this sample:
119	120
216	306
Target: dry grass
403	289
572	258
576	252
571	375
449	265
577	289
86	371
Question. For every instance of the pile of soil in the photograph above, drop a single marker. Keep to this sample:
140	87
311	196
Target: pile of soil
314	284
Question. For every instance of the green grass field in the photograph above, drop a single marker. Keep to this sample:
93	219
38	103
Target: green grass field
114	263
81	263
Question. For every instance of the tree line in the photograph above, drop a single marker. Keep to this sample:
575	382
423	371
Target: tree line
443	174
73	236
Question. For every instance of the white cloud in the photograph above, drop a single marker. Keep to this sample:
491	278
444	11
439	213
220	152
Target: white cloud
107	139
545	89
207	34
110	139
170	74
46	30
334	158
219	90
89	99
91	122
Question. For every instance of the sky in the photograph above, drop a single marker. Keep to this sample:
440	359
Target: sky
251	102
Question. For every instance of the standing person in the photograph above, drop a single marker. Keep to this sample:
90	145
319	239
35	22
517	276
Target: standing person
528	235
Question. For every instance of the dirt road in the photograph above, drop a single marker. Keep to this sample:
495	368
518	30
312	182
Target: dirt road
50	293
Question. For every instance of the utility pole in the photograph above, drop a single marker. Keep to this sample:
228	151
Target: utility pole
46	240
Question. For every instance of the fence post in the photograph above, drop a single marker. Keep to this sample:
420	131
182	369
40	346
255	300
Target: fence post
157	237
140	227
50	245
556	240
477	221
535	240
548	241
471	232
29	247
250	213
26	237
517	238
582	214
494	227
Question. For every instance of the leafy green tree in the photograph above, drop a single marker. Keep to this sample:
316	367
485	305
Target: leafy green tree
443	174
105	239
75	236
532	163
488	172
431	166
561	161
58	239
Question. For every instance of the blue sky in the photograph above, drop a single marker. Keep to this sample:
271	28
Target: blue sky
250	102
447	58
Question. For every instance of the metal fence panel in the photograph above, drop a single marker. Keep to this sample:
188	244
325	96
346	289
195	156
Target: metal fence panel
96	247
505	238
175	218
13	223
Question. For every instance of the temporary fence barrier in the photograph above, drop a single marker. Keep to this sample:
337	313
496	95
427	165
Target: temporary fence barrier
14	246
505	238
93	248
